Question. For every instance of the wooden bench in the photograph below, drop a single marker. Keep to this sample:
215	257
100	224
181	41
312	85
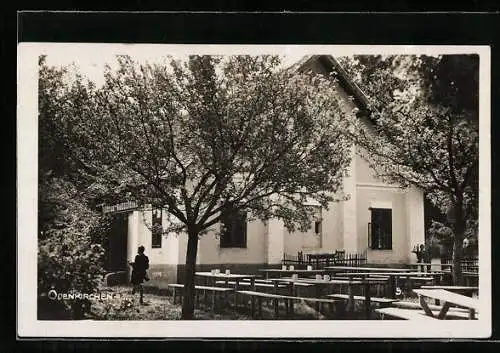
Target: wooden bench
423	279
380	279
175	286
257	280
449	298
214	290
289	300
247	283
404	314
381	301
416	280
368	300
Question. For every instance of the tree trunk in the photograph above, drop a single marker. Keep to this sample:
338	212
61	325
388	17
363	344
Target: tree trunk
189	291
458	239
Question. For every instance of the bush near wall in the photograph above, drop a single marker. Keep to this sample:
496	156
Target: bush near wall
69	262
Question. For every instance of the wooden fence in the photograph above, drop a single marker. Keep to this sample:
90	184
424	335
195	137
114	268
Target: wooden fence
470	264
318	261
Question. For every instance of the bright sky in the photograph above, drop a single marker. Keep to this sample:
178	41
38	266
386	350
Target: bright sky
91	59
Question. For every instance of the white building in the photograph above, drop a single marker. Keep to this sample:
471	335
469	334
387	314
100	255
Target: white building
384	221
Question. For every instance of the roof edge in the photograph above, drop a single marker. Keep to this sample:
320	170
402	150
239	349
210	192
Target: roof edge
330	64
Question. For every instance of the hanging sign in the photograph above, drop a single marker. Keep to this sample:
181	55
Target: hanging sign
121	207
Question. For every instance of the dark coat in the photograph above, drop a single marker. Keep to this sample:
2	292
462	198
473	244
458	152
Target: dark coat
139	267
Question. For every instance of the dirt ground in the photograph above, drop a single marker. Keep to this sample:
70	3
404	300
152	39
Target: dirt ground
161	307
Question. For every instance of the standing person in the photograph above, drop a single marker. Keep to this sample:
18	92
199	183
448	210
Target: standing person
139	274
426	257
419	251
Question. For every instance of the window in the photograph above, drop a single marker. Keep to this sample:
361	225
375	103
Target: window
317	227
157	229
380	229
234	234
317	220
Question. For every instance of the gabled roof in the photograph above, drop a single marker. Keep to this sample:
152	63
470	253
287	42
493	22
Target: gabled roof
329	64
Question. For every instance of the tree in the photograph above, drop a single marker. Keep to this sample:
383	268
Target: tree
424	132
208	137
70	256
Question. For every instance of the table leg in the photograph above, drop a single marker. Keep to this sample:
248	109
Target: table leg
226	299
472	314
236	288
318	294
368	308
392	287
350	301
350	293
443	311
424	306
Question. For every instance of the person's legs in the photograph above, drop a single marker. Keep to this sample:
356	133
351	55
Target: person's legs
141	294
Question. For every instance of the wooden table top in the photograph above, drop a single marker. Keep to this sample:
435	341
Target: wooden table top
450	297
429	264
314	281
399	274
451	288
369	269
280	270
223	275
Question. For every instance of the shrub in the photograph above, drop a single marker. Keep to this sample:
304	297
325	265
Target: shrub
68	263
68	258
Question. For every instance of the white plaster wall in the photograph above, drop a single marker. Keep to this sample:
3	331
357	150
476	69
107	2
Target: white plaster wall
302	241
415	222
132	235
364	174
144	233
332	232
350	211
293	243
169	251
210	252
275	241
140	234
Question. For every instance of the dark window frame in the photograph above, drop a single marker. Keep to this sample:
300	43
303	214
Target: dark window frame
157	229
380	229
234	234
318	220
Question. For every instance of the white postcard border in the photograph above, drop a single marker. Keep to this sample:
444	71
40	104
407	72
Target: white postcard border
27	188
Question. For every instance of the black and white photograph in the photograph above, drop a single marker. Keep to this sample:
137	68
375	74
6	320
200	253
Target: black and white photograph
254	190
